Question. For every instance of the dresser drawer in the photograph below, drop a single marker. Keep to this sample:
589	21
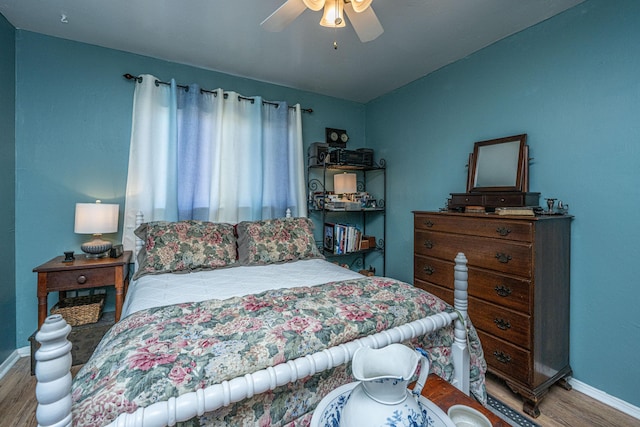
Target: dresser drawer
500	322
505	358
502	200
467	200
444	294
469	225
505	291
80	278
498	255
433	270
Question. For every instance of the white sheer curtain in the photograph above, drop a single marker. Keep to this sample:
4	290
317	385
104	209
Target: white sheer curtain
215	156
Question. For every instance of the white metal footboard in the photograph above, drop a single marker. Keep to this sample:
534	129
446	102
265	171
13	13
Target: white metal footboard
54	361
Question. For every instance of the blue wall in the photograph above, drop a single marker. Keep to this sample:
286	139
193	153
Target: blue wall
7	189
572	84
73	114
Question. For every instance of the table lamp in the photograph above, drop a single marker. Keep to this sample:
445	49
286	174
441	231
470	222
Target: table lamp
96	218
345	183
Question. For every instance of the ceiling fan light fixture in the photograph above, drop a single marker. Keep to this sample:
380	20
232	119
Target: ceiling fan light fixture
360	5
315	5
333	15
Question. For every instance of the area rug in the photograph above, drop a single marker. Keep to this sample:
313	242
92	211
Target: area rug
509	414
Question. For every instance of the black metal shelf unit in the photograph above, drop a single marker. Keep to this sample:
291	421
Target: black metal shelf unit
370	217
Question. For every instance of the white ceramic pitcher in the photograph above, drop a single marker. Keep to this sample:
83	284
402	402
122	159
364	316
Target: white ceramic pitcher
382	398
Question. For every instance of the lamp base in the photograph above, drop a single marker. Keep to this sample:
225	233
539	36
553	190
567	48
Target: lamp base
97	247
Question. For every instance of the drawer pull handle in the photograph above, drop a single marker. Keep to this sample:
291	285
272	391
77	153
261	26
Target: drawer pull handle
502	357
503	231
502	324
429	270
503	258
81	279
428	223
428	244
503	291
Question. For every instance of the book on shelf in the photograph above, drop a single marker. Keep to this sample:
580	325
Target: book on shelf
328	237
342	238
518	211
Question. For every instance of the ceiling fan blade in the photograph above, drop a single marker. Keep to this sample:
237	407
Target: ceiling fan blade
365	23
284	15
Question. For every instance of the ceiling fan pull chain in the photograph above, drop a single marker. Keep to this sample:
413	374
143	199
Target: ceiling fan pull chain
337	22
335	31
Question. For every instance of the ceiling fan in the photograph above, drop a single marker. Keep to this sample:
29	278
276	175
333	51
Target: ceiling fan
362	17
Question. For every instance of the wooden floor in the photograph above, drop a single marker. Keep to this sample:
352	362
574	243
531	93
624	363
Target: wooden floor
564	408
559	408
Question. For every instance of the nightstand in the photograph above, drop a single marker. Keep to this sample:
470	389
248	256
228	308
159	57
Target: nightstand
82	273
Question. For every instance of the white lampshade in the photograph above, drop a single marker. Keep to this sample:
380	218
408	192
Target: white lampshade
96	218
345	183
333	15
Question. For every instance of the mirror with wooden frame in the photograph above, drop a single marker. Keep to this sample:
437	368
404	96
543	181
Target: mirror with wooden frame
499	165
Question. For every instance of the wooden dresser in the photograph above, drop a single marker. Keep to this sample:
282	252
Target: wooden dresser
518	290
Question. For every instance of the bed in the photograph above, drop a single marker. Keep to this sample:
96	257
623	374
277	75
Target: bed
244	324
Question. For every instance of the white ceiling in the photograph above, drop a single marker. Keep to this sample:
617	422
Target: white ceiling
420	36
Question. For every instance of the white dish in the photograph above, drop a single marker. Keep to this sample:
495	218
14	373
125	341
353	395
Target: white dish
327	413
465	416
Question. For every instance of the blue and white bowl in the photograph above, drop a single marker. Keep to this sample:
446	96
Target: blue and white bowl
329	412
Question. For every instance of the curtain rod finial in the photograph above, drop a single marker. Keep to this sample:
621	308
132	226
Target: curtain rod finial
132	77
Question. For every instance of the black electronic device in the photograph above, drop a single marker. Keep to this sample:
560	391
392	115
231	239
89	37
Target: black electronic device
116	251
351	157
336	138
367	154
318	152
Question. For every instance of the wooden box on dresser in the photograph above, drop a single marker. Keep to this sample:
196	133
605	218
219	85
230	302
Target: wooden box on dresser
518	290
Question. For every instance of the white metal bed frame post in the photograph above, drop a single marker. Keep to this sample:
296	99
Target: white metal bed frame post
53	390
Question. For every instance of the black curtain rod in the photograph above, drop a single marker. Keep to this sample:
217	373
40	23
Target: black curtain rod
186	88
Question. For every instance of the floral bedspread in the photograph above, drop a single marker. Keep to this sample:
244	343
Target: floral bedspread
163	352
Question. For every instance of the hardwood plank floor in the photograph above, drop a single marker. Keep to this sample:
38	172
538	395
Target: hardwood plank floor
560	408
564	408
17	396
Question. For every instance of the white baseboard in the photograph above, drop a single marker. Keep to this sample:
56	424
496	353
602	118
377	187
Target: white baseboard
12	359
24	351
605	398
8	363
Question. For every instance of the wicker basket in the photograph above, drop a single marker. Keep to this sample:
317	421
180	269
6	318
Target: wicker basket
80	310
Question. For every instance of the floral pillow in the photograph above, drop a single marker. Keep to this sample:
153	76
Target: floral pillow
185	246
276	240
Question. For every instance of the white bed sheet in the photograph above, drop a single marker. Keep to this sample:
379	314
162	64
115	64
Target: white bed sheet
165	289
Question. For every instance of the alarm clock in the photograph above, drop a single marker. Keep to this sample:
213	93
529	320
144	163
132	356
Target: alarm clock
336	137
